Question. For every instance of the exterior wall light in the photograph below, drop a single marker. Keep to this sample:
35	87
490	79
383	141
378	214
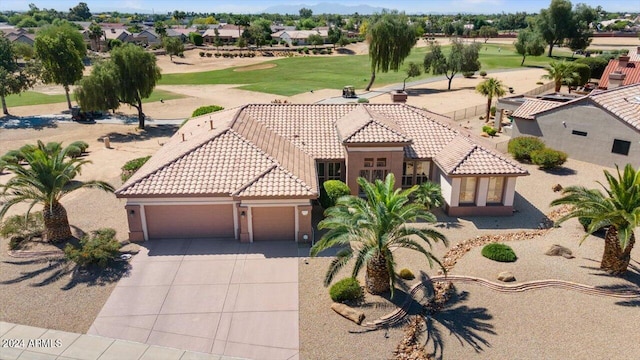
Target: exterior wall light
243	213
305	212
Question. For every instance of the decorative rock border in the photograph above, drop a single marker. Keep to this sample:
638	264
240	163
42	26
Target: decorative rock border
34	254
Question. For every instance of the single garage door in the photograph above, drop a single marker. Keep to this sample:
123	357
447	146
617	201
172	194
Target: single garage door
189	221
273	223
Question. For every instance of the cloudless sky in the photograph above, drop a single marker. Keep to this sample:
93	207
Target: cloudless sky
256	6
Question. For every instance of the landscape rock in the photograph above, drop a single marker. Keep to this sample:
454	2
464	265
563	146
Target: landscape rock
348	312
130	248
506	276
558	250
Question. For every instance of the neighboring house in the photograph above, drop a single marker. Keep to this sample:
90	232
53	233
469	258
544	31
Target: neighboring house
635	56
300	37
118	34
182	34
26	38
620	72
227	36
147	36
252	173
602	127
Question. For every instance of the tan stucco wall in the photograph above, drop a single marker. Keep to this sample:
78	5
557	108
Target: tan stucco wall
601	127
305	226
355	163
134	218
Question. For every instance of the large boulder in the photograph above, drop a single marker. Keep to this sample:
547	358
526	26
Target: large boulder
348	312
506	276
558	250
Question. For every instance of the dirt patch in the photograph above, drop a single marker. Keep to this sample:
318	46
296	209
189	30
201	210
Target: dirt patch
256	67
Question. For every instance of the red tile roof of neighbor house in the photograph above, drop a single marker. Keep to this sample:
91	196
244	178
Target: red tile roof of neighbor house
270	150
631	71
623	102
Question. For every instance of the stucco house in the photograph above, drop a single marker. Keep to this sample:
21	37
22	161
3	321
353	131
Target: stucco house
602	127
252	173
227	36
299	37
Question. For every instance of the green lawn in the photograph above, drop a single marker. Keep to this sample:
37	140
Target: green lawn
35	98
300	74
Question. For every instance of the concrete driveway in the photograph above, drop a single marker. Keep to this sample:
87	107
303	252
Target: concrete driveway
209	295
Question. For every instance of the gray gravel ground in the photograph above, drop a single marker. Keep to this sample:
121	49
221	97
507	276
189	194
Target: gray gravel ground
480	323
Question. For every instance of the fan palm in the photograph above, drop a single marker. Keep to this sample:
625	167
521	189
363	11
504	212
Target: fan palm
490	88
47	177
618	209
374	227
561	72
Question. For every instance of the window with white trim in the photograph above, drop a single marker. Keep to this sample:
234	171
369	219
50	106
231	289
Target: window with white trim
468	190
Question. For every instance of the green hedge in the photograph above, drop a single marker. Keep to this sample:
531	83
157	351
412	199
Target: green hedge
597	64
345	290
331	191
131	166
406	274
522	147
203	110
499	252
548	158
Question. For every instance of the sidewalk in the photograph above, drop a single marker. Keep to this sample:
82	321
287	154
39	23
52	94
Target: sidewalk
31	343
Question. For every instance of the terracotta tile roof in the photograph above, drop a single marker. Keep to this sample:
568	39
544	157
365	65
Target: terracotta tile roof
270	149
623	102
532	107
364	125
463	157
631	71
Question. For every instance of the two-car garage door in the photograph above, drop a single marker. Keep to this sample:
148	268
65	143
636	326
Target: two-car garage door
189	221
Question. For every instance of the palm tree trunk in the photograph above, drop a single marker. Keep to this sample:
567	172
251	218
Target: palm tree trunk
56	223
615	260
377	278
558	85
488	110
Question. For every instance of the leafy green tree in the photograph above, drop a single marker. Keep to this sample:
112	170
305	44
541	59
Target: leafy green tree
391	39
173	46
561	72
196	39
529	43
48	176
128	77
242	42
618	209
372	228
160	29
448	65
79	12
14	78
412	70
488	32
305	13
555	23
61	50
315	40
23	50
580	34
490	88
333	35
470	55
343	41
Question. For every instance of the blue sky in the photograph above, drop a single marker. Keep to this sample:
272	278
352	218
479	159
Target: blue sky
256	6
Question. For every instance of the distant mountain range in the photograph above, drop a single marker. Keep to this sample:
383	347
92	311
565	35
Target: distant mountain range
324	8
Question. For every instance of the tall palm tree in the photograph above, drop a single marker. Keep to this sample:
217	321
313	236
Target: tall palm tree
561	72
374	227
48	177
618	208
490	87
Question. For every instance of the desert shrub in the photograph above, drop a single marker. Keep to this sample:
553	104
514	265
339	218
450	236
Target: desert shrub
363	101
131	166
345	290
521	147
406	274
203	110
19	228
217	55
499	252
209	54
99	248
492	110
73	151
483	73
12	157
83	146
468	74
201	53
489	130
331	191
548	158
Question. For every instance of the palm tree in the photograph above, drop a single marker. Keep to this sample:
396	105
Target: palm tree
429	194
618	209
561	72
490	87
95	34
48	177
374	227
